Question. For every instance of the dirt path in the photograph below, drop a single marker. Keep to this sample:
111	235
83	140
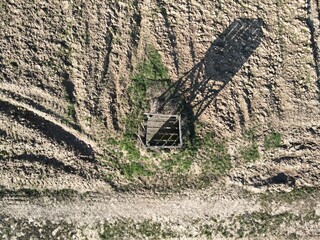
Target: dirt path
210	214
137	207
187	205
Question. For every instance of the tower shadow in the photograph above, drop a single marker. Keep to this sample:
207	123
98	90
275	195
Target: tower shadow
191	95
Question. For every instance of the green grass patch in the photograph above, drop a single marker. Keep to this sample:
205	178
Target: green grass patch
219	161
251	134
129	146
209	152
151	68
148	70
262	223
272	141
180	161
256	225
128	229
177	163
250	153
304	193
71	111
21	228
133	169
133	164
216	161
126	148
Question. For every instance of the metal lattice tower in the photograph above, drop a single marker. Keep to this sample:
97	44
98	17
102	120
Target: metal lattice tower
163	131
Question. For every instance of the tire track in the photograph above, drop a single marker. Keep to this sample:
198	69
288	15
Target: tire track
52	129
313	25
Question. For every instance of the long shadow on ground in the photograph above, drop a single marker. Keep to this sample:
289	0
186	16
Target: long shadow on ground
195	91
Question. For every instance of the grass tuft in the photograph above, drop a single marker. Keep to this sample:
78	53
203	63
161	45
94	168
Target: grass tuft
128	229
250	153
272	141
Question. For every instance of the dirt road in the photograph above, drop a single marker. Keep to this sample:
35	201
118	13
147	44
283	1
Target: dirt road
185	214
